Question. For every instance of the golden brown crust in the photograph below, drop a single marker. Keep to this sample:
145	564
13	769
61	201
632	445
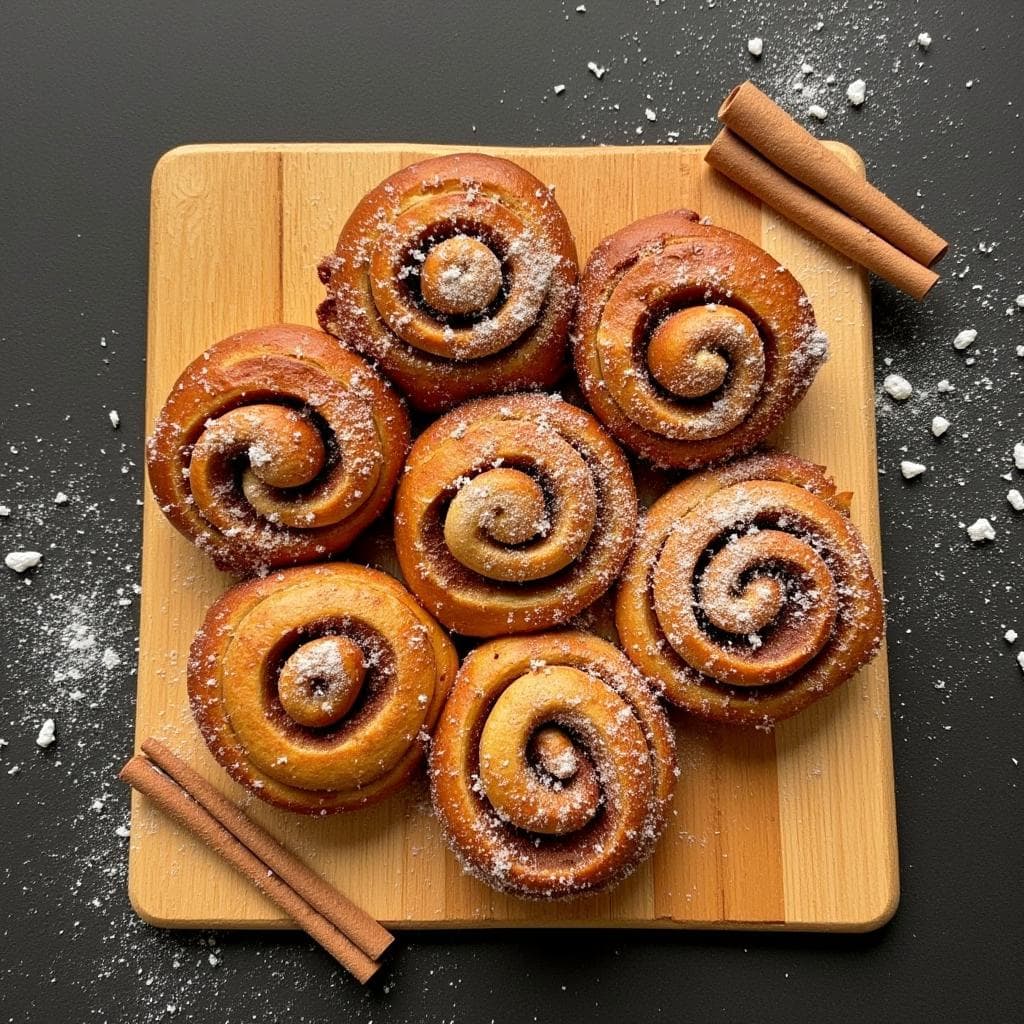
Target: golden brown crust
276	446
749	594
514	514
552	767
305	639
691	343
473	341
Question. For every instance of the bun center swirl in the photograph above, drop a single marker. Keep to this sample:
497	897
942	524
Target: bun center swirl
513	515
693	351
437	273
552	766
698	374
765	603
461	276
321	680
523	524
556	723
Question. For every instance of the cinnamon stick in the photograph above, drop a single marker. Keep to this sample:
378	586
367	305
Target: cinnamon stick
736	160
365	931
766	127
175	802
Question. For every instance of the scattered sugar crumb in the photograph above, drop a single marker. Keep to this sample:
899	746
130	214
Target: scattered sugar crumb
981	530
924	40
559	89
47	734
897	387
60	498
596	70
115	419
755	46
21	561
1010	636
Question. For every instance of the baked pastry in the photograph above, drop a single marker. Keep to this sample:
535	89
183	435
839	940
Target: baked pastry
749	593
316	688
552	766
458	275
692	343
514	514
276	446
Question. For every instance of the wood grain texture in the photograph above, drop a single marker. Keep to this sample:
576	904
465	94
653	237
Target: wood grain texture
791	829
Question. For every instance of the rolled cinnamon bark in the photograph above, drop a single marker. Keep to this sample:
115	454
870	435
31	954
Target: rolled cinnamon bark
365	931
173	801
736	160
765	126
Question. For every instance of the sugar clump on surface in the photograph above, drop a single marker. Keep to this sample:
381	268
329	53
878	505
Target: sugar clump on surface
911	469
981	530
965	339
1010	636
818	111
115	418
856	91
924	40
47	734
897	387
1018	455
21	561
1016	499
939	425
755	46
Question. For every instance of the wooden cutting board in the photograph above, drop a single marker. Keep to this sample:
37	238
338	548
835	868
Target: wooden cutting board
787	829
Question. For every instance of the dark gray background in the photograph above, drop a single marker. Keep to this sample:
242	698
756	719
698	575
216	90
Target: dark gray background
94	93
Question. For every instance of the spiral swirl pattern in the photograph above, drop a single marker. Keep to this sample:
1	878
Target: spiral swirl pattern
750	594
552	766
317	687
276	446
692	343
458	275
514	515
